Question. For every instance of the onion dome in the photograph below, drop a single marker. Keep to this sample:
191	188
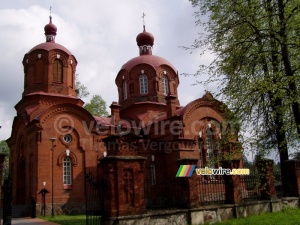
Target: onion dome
145	41
145	38
50	31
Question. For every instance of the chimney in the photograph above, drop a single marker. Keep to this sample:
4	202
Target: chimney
115	113
171	105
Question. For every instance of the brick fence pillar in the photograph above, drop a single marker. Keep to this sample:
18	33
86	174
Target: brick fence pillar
292	170
266	177
124	176
233	194
191	189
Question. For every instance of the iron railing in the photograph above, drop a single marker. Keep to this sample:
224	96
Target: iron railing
94	197
251	187
278	183
212	190
168	193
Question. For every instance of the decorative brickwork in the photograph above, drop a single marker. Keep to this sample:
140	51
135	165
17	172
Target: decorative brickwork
144	141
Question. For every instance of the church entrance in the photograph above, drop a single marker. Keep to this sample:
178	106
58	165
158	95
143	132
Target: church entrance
21	183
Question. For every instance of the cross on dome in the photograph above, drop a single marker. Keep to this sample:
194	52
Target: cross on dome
144	26
50	30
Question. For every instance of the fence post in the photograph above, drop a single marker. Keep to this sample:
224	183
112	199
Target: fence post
292	168
124	194
233	193
266	178
191	191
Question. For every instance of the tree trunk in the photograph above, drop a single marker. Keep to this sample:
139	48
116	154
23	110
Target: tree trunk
287	66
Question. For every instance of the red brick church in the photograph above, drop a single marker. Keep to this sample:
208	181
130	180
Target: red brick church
147	136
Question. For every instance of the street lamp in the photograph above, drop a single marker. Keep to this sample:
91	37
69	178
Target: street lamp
52	188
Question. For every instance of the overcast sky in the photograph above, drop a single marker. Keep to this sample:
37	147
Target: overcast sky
101	35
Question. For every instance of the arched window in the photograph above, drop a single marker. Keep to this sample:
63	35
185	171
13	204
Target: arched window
124	90
67	176
210	147
200	148
165	85
143	84
57	71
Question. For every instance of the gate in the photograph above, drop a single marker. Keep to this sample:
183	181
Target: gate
7	198
94	198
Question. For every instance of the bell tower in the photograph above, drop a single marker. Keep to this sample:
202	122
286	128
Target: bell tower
49	67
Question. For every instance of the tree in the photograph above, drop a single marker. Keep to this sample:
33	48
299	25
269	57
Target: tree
97	106
256	46
81	90
4	148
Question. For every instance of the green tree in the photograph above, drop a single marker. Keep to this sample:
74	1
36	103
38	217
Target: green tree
97	106
81	90
4	148
255	44
256	64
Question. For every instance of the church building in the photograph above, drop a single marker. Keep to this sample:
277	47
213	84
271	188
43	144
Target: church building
55	141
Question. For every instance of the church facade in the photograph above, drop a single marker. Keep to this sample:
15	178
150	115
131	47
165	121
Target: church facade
148	135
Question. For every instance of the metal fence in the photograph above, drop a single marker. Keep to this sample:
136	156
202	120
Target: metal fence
94	197
278	183
175	192
168	193
251	187
212	190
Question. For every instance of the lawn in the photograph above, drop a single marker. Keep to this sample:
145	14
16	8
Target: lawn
287	216
66	219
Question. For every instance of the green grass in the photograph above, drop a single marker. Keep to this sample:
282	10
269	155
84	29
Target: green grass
287	216
66	219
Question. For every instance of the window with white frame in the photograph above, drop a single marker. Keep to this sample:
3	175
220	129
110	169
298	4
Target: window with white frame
67	171
124	90
165	85
143	84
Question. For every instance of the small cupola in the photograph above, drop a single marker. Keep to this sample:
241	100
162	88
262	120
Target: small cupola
145	41
50	31
49	67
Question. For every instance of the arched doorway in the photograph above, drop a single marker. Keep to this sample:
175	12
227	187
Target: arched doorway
21	182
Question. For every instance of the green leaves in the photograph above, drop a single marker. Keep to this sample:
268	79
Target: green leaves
81	89
256	44
97	106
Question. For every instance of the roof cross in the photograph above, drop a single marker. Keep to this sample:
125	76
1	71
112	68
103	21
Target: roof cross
143	16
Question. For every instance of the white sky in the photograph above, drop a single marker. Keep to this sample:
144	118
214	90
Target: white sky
101	35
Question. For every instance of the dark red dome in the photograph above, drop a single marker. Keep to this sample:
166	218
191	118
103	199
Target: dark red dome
50	29
48	46
50	32
145	38
152	60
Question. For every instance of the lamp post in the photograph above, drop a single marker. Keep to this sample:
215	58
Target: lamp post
52	187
